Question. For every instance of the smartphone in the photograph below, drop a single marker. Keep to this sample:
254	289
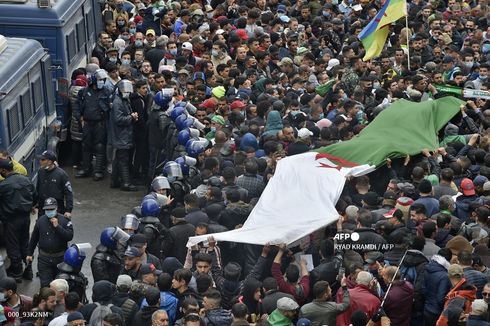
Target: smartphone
341	274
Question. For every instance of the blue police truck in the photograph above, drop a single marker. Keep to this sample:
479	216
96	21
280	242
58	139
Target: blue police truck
67	28
28	123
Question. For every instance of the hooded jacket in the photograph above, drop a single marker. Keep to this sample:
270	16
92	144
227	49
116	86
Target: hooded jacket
415	258
436	284
248	140
278	319
102	292
463	206
461	296
234	214
273	124
143	317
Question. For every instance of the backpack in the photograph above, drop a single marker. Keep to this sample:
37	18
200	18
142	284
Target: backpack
408	273
97	317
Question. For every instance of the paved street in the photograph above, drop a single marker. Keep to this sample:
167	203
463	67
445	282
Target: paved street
96	206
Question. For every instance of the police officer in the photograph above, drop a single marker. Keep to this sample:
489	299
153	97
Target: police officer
17	195
70	270
92	111
130	223
106	262
159	123
160	191
121	126
53	181
179	187
151	227
51	235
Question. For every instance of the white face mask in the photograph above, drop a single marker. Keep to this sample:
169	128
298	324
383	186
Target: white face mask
100	84
125	61
126	95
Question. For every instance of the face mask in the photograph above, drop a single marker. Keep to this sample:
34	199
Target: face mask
469	64
113	59
125	37
173	51
50	213
125	61
139	24
214	53
121	23
100	84
210	15
138	61
3	298
132	30
213	129
345	97
485	48
321	116
376	85
126	95
326	14
483	77
138	43
47	167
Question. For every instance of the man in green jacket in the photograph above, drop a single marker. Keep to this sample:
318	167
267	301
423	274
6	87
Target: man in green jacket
284	314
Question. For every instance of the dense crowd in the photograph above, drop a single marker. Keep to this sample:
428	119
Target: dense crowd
198	101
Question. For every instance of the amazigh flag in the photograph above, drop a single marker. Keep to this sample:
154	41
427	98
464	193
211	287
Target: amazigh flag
403	128
301	196
373	36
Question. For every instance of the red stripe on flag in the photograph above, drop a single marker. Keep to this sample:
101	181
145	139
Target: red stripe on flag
339	160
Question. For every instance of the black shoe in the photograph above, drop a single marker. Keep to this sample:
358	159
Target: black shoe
28	275
115	184
82	174
98	176
128	187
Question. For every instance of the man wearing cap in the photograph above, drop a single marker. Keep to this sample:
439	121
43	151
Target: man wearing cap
75	319
132	263
17	195
149	274
286	311
187	50
460	296
53	181
140	241
217	123
13	300
463	202
51	235
449	68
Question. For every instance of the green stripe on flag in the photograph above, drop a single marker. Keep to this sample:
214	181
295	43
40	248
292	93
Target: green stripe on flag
403	128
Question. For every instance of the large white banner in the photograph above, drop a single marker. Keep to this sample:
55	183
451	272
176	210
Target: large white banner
298	200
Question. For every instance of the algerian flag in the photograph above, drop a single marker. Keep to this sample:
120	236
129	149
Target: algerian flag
301	196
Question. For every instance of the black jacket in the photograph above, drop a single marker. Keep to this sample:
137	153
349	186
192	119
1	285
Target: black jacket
17	195
234	214
218	317
55	183
92	104
175	245
105	264
127	305
269	303
49	238
140	105
121	124
326	271
143	317
103	292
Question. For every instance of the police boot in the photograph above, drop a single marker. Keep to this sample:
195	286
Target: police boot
99	162
28	275
86	166
125	177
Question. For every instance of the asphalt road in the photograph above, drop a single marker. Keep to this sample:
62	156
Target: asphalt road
96	206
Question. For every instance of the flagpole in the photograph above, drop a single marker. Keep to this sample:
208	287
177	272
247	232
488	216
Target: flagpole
408	37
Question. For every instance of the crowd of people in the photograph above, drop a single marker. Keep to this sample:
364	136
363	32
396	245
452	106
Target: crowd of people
198	101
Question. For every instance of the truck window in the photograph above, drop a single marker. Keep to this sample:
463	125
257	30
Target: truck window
37	94
27	111
72	48
13	121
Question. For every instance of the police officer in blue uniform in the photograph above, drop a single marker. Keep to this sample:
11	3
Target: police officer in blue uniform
70	270
92	110
106	263
51	235
53	181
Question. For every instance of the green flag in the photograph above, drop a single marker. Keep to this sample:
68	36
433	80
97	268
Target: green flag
403	128
322	90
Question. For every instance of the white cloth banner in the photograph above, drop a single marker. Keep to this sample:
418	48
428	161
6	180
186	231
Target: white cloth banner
298	200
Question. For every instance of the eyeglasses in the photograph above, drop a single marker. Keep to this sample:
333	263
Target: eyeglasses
486	294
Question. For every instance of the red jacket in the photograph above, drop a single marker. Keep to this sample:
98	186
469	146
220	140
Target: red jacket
361	298
300	292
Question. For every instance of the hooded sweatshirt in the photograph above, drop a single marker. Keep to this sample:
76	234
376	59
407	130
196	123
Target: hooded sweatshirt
278	319
273	124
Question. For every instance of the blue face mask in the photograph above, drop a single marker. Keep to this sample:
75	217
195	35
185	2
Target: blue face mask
132	30
326	14
173	51
125	62
50	213
213	129
100	84
485	48
138	43
321	116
